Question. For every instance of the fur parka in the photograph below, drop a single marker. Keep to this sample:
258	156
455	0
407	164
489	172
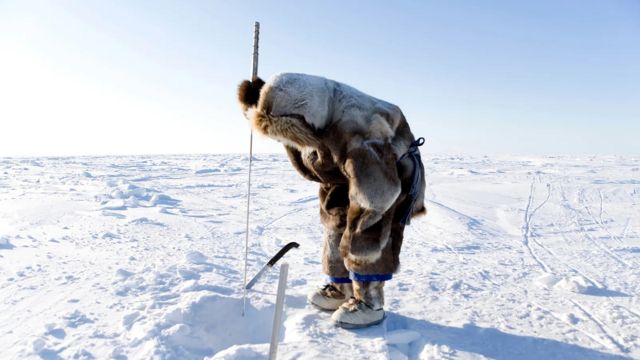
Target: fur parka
334	133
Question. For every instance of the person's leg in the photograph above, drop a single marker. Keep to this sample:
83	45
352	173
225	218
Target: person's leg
333	204
370	292
369	268
364	308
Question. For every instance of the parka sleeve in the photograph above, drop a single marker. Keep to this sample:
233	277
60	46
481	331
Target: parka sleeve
296	160
374	184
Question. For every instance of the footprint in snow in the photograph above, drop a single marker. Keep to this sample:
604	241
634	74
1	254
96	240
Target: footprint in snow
130	319
145	221
123	274
55	331
5	243
76	318
206	171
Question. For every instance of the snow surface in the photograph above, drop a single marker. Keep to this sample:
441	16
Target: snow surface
142	257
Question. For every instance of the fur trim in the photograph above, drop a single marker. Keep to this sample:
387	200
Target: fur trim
249	93
374	185
371	292
418	212
365	259
287	129
332	262
379	128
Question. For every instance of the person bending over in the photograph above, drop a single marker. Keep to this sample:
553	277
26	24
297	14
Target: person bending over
361	151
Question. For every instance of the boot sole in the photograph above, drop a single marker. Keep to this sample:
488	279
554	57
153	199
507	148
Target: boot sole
349	326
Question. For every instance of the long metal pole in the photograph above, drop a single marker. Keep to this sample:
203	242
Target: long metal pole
277	317
254	76
256	39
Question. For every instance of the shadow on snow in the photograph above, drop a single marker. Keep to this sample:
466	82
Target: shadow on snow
490	342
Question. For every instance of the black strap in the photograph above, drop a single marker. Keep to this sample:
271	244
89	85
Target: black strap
418	169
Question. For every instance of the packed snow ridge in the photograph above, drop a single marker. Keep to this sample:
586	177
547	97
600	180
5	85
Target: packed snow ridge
142	257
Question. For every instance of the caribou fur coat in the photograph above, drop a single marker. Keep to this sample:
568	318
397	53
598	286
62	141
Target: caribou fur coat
334	133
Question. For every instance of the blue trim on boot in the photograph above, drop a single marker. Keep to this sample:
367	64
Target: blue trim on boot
375	277
339	280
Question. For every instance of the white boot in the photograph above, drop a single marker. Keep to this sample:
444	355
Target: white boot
355	314
365	309
331	296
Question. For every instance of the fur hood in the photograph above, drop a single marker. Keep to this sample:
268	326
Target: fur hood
295	108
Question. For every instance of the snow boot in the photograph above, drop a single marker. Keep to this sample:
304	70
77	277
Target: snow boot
331	296
363	310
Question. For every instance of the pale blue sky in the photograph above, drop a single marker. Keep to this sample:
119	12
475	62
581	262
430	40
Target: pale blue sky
475	77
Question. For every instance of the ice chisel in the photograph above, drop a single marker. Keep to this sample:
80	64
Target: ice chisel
271	262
